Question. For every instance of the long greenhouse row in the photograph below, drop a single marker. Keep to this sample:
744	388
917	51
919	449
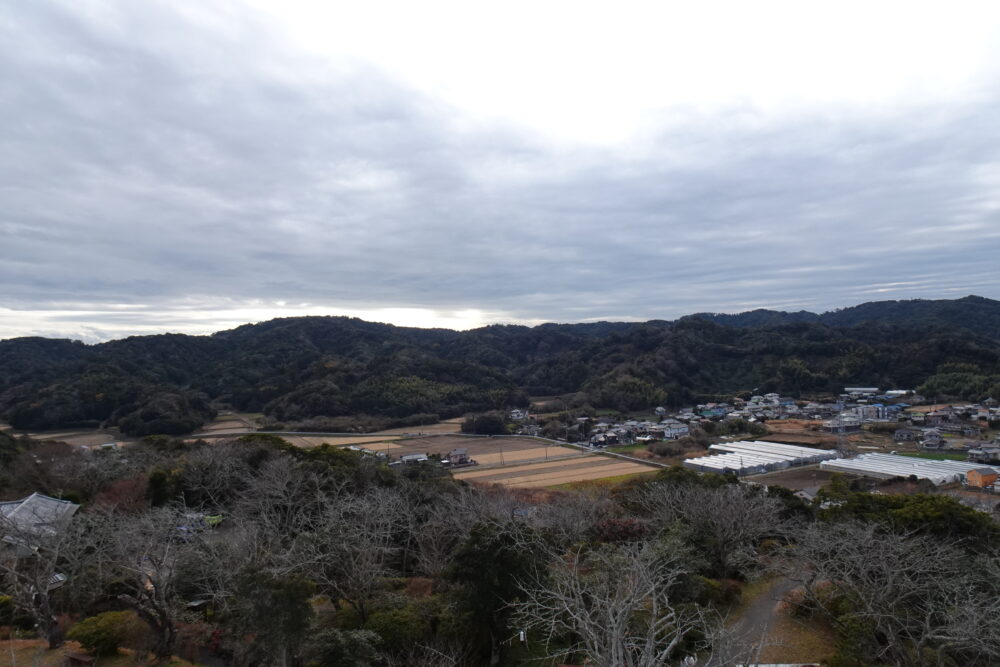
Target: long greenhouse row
887	466
754	457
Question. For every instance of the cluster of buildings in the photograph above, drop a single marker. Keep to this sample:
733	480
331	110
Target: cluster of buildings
456	458
958	428
608	433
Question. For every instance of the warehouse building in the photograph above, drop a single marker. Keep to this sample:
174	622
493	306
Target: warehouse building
887	466
746	457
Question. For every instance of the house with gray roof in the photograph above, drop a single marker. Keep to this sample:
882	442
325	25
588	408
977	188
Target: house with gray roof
35	518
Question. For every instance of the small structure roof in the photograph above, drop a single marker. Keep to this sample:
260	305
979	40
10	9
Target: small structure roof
35	515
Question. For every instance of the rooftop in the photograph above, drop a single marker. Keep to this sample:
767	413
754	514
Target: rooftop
37	514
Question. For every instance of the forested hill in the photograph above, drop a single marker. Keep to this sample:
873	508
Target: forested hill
363	373
975	313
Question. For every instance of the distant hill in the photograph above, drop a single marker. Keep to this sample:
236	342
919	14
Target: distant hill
974	313
357	374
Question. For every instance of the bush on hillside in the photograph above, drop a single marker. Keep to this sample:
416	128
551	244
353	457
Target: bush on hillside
104	633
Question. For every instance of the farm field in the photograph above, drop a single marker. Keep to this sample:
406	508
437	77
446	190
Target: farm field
309	441
798	432
446	426
84	437
521	462
228	425
486	451
554	473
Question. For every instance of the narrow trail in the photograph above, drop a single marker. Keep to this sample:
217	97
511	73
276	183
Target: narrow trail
755	623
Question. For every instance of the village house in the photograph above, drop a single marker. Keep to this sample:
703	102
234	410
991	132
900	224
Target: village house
938	417
843	423
968	430
673	429
459	457
981	477
36	517
932	439
985	453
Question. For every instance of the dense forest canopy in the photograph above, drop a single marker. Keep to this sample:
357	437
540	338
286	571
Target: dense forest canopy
297	369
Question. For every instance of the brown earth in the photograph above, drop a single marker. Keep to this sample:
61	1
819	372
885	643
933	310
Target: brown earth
539	468
804	478
554	473
477	446
446	426
86	438
308	441
556	479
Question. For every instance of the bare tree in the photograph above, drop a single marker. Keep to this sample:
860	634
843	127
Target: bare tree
912	598
285	499
436	540
353	547
449	520
214	474
614	605
728	522
571	518
39	566
140	556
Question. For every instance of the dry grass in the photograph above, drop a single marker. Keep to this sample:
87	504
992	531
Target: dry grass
585	461
446	426
224	426
34	652
602	483
792	641
87	438
556	473
309	441
526	455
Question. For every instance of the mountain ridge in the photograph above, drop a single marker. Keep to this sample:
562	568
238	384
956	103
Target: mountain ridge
297	369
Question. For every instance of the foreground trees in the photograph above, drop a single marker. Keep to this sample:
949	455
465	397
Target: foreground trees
40	568
898	598
615	605
324	555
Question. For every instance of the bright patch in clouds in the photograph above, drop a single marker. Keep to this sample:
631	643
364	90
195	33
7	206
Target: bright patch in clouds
94	323
594	72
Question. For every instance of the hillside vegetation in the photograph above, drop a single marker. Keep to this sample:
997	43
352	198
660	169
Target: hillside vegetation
301	368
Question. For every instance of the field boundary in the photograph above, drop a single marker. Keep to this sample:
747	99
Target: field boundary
404	436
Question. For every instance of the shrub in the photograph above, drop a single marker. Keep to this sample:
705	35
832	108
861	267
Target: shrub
667	448
398	628
104	633
716	591
348	648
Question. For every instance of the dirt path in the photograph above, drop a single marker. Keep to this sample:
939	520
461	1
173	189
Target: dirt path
755	623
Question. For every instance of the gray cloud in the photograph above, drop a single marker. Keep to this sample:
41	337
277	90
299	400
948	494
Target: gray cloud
152	158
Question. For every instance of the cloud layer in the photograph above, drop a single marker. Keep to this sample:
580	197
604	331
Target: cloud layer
173	168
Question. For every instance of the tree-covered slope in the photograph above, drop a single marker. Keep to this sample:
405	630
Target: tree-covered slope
975	313
296	369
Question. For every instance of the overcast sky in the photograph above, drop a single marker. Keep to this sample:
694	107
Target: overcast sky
190	165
